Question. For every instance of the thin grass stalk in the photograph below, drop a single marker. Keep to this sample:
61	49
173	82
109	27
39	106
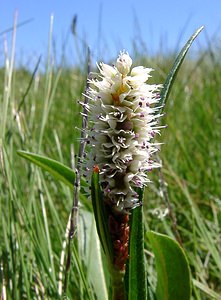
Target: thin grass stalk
163	187
9	65
48	85
62	257
74	210
46	228
201	225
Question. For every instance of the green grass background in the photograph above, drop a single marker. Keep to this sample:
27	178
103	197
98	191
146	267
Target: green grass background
39	113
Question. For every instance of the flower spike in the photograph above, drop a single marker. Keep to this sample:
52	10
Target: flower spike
123	122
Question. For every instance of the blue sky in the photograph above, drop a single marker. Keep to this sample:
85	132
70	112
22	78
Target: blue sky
108	26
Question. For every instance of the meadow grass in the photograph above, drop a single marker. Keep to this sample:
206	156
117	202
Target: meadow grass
40	113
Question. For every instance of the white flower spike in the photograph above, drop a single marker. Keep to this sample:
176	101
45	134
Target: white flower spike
122	124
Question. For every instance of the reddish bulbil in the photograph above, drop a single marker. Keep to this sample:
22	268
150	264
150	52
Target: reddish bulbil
119	230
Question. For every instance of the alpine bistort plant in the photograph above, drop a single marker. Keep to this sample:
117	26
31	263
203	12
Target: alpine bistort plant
123	119
123	112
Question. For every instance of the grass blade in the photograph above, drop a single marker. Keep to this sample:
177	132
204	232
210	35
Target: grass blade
206	290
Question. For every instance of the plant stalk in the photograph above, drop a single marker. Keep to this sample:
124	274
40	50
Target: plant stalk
117	285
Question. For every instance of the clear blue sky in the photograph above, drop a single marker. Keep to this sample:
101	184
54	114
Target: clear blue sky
108	26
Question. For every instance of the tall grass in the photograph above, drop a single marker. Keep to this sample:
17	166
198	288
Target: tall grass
40	113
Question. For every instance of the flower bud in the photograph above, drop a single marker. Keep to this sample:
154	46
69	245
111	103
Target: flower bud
124	63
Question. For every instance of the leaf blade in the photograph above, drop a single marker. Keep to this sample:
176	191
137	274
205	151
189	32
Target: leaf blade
173	272
101	217
58	170
136	272
175	68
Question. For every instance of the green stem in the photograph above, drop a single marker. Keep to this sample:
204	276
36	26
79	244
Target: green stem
117	285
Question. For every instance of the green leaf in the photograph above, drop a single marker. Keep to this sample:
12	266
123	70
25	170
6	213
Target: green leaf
101	217
58	170
55	168
173	273
174	70
91	255
136	272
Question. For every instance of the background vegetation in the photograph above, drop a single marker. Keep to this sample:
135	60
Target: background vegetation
39	112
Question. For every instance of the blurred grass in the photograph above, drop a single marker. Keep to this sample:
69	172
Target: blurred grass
191	158
34	209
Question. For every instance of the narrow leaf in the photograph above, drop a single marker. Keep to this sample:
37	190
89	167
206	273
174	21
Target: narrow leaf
173	273
57	169
136	273
93	258
174	70
101	216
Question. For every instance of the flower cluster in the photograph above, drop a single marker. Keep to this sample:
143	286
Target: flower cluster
122	122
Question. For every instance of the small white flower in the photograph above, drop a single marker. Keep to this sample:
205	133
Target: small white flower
122	124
